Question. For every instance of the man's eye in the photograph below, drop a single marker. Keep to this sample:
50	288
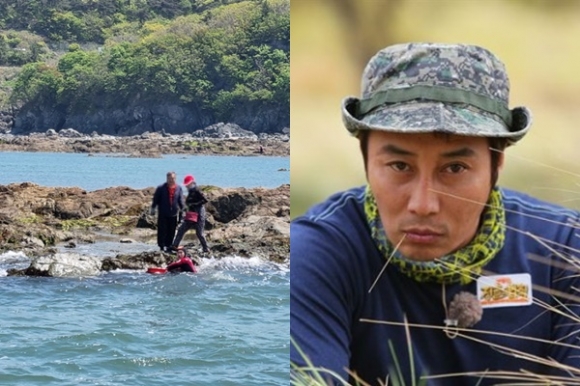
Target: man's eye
455	168
399	166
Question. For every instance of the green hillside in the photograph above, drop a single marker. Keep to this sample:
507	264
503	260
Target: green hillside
221	61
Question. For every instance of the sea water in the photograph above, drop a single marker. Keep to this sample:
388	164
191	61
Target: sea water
105	170
226	325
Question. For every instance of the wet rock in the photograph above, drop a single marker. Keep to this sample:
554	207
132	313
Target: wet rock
154	145
64	265
136	261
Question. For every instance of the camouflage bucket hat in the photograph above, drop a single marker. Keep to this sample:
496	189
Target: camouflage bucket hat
427	87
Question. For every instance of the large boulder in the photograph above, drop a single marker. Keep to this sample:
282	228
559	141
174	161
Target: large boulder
225	130
64	265
229	206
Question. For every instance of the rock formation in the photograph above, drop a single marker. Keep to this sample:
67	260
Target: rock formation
224	139
34	219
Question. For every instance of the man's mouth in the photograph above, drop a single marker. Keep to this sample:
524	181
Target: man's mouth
421	235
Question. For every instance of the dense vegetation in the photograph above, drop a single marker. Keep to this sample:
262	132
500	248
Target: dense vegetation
209	56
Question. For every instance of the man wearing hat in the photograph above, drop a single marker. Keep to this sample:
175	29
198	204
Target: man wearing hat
431	271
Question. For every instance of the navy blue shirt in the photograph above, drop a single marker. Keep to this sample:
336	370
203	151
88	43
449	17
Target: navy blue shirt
334	263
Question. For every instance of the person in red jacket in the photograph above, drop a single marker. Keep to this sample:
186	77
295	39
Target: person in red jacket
184	262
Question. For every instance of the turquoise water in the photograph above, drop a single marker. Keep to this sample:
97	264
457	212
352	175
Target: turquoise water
226	325
102	171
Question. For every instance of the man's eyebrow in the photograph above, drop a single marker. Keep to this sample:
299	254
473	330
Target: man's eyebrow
463	152
395	150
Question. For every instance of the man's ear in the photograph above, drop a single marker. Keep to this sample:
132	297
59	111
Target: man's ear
500	161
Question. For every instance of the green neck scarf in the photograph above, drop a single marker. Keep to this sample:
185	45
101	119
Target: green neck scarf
459	267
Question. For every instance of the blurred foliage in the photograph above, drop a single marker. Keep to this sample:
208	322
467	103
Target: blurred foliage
86	21
331	41
368	25
214	56
20	47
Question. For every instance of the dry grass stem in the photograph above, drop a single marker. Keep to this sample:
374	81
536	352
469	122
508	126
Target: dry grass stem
386	264
460	332
570	223
531	161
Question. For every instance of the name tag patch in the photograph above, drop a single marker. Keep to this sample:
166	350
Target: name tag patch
505	290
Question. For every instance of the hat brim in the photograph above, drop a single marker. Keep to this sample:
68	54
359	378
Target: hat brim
428	116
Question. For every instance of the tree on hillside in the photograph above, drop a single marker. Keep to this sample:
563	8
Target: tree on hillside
228	64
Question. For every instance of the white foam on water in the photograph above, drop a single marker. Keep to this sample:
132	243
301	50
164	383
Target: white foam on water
239	263
11	257
213	266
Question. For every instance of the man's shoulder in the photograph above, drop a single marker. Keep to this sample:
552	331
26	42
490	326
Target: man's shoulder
334	230
539	217
519	202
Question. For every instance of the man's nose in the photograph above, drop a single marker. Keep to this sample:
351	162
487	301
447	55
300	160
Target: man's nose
423	200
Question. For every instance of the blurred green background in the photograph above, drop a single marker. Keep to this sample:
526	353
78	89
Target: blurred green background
331	41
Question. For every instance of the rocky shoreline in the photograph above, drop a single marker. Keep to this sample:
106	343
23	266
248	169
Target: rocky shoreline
36	219
220	139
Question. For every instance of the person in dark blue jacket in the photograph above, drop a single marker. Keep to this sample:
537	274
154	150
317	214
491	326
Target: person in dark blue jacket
431	273
169	201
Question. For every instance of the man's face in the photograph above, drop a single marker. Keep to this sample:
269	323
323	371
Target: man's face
171	179
430	189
